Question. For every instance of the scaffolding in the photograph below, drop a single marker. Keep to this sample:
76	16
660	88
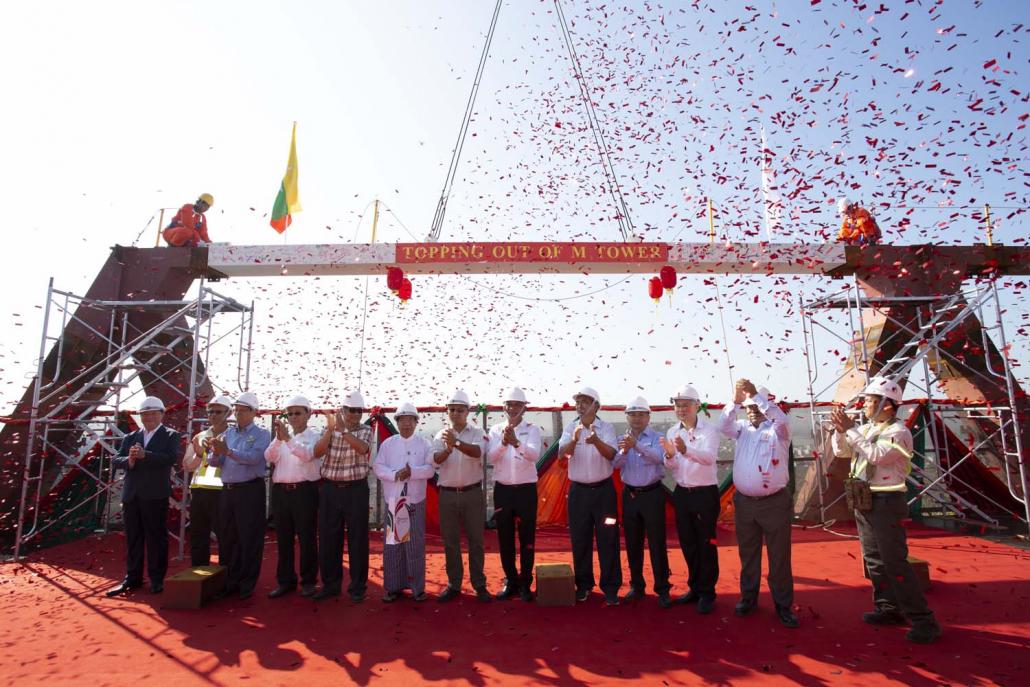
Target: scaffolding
78	415
920	351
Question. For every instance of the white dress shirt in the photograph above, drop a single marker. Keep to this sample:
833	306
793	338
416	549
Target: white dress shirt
460	469
696	467
147	436
515	465
294	460
586	464
394	454
760	455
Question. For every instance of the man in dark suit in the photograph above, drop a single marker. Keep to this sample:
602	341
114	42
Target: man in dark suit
147	456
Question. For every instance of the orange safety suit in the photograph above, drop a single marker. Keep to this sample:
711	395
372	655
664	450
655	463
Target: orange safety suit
188	228
859	228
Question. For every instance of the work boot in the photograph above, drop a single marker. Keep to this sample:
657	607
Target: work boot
925	632
884	616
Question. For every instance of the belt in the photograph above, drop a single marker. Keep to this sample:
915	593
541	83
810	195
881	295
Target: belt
594	485
290	486
237	485
761	498
640	490
703	486
469	487
521	485
343	484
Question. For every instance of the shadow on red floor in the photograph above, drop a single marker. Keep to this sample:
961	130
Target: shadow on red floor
57	627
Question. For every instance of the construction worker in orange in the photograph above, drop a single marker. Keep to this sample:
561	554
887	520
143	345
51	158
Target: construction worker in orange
189	226
858	228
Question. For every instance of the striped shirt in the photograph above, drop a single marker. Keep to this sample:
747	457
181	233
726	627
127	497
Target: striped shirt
341	462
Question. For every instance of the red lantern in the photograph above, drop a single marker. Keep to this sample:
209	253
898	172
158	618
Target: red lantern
394	278
668	276
404	291
654	288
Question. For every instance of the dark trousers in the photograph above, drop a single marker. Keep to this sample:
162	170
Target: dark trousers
765	518
697	511
515	510
295	508
463	510
146	528
589	509
643	512
885	554
205	518
243	524
343	510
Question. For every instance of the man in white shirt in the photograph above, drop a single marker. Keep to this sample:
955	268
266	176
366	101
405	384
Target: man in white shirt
513	450
763	507
295	496
404	465
587	447
881	453
458	455
691	448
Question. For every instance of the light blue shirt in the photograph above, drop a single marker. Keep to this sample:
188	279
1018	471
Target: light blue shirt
248	448
643	464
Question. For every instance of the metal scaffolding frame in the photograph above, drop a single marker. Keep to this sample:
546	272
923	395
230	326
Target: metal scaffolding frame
90	403
921	335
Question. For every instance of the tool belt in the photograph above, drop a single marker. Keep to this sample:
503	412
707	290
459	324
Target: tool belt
858	494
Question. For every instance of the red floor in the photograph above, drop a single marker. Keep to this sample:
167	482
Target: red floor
56	627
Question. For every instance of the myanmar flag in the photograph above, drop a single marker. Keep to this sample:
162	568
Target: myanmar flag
288	200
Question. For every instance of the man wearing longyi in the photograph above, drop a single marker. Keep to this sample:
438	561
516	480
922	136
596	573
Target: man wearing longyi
588	446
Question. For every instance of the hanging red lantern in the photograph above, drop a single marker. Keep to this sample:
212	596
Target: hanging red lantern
394	278
404	291
654	288
668	277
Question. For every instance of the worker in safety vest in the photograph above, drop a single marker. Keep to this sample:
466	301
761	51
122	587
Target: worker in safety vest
858	228
881	454
189	226
206	484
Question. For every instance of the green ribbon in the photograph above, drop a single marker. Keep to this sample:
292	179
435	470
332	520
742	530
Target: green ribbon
704	409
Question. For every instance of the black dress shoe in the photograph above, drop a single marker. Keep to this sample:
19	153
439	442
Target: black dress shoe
690	597
420	597
325	593
357	597
281	590
525	594
582	594
246	594
390	597
705	605
664	600
632	595
745	607
884	617
787	616
483	595
308	590
508	591
123	588
157	587
611	599
447	594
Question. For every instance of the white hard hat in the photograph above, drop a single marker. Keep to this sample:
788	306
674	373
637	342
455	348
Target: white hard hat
250	400
224	401
589	392
685	393
459	397
299	401
883	386
842	205
638	405
515	394
152	403
406	409
353	399
762	391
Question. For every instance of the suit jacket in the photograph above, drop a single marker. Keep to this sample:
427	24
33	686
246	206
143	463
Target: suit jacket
149	478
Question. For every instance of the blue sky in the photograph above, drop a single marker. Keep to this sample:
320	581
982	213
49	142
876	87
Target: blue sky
122	108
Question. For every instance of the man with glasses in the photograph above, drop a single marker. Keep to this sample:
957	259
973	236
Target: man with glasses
458	456
691	448
206	485
295	497
513	450
343	499
240	453
587	448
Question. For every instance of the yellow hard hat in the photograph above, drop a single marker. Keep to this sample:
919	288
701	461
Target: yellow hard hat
207	198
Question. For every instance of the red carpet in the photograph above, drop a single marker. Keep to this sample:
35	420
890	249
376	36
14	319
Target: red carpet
56	627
